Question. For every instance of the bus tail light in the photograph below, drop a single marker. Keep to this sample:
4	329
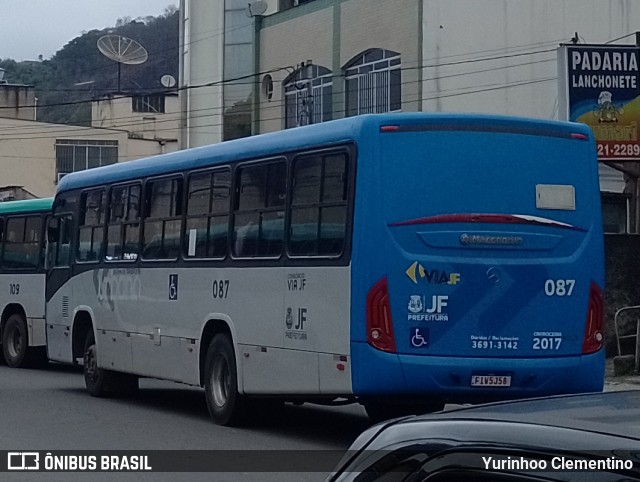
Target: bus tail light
593	332
379	325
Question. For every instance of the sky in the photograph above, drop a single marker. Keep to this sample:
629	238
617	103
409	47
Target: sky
33	27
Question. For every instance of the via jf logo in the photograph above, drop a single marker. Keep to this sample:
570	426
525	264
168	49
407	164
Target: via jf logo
435	276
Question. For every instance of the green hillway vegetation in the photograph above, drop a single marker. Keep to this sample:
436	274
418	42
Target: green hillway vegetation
80	62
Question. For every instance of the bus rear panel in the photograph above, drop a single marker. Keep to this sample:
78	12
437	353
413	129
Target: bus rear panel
477	261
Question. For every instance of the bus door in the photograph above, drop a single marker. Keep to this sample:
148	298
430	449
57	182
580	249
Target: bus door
58	287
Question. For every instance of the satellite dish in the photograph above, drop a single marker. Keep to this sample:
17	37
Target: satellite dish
168	81
123	50
256	8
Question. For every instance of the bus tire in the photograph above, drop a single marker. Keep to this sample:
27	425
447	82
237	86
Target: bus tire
224	403
101	382
95	379
15	344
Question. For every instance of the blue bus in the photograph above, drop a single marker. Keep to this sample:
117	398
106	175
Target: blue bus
22	281
400	261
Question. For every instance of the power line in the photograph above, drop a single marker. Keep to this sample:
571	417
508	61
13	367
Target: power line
458	92
292	69
165	118
212	112
252	105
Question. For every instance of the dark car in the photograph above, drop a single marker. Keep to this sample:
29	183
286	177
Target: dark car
588	437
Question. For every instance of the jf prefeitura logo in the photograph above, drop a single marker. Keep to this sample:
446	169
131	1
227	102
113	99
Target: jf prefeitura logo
428	308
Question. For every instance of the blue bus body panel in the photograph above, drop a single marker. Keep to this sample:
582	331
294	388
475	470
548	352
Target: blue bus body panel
273	144
488	231
392	374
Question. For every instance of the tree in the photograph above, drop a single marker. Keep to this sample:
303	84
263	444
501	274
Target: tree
61	100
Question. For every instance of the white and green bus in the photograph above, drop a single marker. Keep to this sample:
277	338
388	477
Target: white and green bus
22	281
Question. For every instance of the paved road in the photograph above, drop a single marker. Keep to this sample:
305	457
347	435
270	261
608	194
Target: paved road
49	410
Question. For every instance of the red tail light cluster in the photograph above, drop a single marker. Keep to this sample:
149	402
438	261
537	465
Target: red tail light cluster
379	325
593	332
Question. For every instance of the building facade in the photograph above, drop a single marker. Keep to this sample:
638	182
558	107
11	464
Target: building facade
34	156
318	60
145	116
217	61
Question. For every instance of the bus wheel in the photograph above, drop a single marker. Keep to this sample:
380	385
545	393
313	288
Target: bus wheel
95	379
101	382
221	382
15	341
15	344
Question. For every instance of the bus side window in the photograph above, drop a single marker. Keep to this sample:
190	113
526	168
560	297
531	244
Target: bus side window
91	226
319	205
21	243
163	219
123	228
259	216
13	239
59	239
1	240
208	215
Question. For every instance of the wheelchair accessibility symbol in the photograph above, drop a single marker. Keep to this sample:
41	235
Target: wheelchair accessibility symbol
173	286
419	337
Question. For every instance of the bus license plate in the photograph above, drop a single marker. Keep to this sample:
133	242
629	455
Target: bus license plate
490	380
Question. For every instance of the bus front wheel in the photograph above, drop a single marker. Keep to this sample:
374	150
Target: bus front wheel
101	382
94	378
224	403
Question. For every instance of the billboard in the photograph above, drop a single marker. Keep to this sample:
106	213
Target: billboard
599	85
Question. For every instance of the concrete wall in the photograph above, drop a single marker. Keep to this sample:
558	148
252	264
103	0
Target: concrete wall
622	284
28	156
202	47
117	113
496	56
17	101
521	36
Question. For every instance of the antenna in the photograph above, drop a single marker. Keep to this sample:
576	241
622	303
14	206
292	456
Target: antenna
122	50
256	8
168	81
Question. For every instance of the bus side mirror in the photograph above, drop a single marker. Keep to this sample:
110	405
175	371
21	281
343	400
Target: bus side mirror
53	232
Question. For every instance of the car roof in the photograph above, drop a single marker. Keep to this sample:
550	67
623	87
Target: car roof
612	413
589	425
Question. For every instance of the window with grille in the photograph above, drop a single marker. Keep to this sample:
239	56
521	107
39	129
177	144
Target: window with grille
148	103
308	96
374	83
79	155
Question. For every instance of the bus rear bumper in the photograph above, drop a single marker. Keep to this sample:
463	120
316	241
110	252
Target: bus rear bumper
450	378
